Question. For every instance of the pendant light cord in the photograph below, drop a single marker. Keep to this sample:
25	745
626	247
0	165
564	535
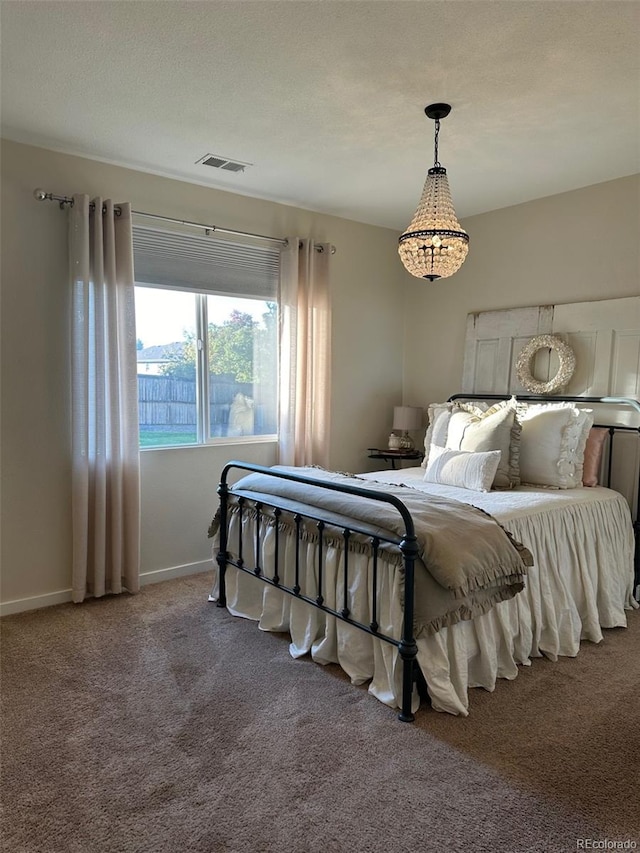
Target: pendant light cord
436	162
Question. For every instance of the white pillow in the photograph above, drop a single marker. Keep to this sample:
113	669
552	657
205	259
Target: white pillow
478	428
438	415
552	444
460	468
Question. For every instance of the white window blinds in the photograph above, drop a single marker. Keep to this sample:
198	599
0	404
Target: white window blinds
171	259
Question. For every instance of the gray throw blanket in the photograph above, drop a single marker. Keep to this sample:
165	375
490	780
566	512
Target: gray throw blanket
471	561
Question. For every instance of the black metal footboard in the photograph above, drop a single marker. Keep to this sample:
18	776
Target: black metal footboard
272	511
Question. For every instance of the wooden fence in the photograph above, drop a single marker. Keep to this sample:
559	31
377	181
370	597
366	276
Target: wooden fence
166	403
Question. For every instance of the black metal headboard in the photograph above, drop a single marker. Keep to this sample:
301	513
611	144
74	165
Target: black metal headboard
621	403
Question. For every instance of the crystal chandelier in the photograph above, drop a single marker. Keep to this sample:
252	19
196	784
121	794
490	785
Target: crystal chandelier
434	244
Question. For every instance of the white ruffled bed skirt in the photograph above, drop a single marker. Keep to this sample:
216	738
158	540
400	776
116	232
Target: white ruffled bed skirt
581	582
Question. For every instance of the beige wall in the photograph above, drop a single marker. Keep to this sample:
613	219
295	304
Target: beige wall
387	327
572	247
178	486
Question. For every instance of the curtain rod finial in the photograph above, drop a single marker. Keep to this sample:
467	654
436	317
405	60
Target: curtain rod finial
39	195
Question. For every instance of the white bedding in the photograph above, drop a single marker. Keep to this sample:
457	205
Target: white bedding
582	542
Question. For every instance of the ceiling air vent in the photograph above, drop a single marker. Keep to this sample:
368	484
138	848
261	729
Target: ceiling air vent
216	161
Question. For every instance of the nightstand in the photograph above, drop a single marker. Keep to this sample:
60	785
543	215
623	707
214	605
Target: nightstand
394	455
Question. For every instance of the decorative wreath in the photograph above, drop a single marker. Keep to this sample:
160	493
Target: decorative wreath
525	361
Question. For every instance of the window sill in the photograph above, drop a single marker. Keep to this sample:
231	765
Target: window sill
235	441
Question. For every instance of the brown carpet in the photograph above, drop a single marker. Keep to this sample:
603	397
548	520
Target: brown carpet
159	723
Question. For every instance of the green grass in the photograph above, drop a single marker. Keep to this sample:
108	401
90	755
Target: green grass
166	439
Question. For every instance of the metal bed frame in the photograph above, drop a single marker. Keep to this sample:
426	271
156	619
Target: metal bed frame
407	545
271	511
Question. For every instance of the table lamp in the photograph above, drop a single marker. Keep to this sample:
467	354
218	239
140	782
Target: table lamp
405	418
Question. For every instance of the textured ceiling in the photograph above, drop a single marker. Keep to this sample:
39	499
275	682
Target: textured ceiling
325	98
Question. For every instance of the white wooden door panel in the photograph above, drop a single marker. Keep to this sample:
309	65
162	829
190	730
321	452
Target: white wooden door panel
493	340
602	314
625	364
487	361
604	335
591	376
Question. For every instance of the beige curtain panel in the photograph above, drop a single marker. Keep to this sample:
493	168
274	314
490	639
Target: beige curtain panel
305	353
106	465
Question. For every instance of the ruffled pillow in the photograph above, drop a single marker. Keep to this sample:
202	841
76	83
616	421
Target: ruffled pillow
438	415
552	444
478	428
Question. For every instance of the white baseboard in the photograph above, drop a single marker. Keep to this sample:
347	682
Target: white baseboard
35	602
21	605
175	572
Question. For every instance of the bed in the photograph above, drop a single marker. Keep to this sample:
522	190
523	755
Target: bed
363	571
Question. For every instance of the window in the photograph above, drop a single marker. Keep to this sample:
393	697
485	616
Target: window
207	330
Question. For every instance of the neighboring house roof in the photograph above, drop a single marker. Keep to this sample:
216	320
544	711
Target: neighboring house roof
161	352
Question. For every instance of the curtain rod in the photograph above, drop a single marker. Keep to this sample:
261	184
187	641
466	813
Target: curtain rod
63	200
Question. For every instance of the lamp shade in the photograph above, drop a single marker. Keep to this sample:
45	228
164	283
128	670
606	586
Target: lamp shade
407	417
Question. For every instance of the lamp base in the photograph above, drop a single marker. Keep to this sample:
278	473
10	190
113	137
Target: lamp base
406	442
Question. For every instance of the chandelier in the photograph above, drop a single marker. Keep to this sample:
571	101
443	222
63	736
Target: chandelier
434	244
